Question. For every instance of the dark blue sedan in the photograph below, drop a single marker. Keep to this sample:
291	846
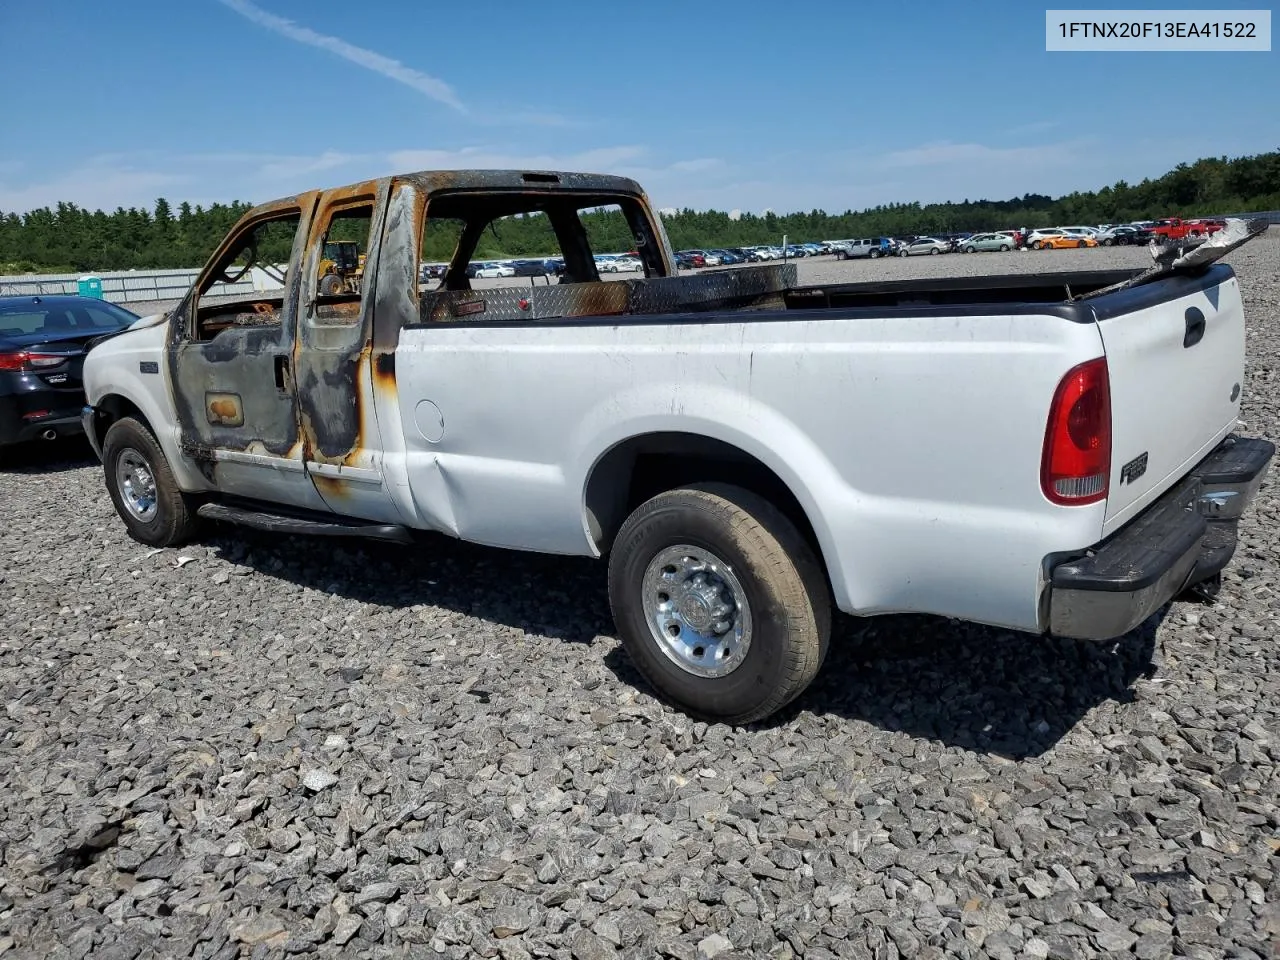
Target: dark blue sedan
42	348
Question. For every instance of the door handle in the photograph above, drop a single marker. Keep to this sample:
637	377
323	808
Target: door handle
282	372
1195	327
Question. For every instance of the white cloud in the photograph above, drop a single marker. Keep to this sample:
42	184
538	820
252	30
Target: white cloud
976	154
433	87
95	186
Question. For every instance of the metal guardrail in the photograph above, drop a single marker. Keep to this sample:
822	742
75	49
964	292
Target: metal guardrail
1271	216
131	286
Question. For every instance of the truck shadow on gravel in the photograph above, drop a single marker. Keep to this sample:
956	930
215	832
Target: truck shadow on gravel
48	456
960	684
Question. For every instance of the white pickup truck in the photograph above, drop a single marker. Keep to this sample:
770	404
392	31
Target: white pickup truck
1051	453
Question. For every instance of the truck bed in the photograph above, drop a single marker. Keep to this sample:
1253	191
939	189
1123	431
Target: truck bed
774	289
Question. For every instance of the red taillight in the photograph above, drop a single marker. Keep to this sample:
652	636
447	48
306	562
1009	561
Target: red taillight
26	360
1076	465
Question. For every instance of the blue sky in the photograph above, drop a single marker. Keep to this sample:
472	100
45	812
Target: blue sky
745	105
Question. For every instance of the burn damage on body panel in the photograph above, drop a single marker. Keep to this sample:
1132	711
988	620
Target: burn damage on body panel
217	350
306	365
334	344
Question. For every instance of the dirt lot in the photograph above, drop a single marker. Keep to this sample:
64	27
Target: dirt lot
256	746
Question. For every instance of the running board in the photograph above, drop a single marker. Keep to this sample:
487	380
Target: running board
320	525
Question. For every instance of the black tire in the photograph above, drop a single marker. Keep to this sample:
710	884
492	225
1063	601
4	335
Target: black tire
875	254
174	520
841	255
330	285
1080	245
934	251
1005	248
1107	241
784	586
1036	245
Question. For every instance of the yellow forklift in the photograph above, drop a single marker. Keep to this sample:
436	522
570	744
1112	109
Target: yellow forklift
341	268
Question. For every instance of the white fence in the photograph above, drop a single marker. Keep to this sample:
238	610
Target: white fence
132	286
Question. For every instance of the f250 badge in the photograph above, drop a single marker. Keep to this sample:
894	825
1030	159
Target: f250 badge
1135	468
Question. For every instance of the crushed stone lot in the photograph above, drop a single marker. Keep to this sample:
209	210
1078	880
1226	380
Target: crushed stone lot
260	747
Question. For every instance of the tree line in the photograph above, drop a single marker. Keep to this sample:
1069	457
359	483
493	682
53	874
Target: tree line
69	238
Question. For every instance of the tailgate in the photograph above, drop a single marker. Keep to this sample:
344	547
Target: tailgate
1175	355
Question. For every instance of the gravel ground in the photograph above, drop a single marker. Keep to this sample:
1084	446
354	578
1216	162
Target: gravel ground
259	747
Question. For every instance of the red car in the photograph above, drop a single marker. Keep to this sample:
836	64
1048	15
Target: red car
1175	229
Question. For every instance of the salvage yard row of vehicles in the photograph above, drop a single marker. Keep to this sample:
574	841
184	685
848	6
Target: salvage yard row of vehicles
1046	238
680	427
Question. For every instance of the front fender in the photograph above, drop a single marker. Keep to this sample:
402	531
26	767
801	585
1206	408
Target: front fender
131	367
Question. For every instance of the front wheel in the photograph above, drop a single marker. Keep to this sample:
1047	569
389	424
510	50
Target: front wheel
719	602
142	487
875	254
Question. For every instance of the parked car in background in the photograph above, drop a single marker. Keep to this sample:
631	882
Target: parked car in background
1206	227
1173	228
690	259
529	268
987	241
493	271
1036	238
920	245
42	348
872	247
1120	235
1064	240
624	264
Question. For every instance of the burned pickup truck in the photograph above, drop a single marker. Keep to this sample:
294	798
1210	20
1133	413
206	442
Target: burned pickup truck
1052	453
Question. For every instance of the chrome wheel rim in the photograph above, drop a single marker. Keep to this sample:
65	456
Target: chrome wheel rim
137	485
697	611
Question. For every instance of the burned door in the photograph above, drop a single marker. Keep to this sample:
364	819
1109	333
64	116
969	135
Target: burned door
230	353
341	443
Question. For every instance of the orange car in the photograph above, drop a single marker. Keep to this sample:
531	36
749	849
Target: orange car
1059	240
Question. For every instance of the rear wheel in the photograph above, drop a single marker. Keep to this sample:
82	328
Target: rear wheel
1107	241
934	251
142	487
874	254
719	601
1005	248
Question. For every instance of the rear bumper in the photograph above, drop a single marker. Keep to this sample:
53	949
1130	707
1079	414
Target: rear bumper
22	419
1184	538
